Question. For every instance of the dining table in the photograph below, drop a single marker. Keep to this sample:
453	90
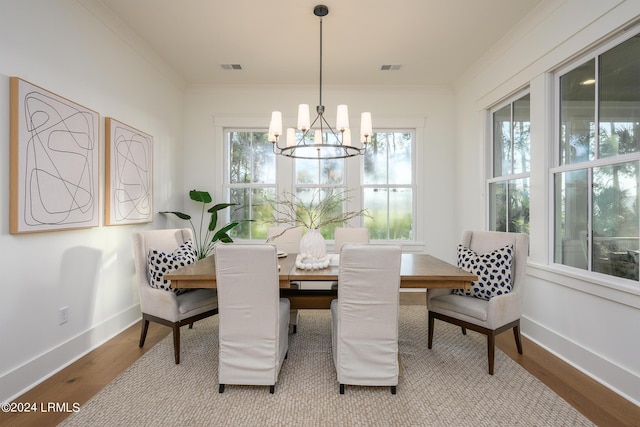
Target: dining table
417	271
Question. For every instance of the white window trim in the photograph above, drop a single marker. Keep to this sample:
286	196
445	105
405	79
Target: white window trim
600	279
489	173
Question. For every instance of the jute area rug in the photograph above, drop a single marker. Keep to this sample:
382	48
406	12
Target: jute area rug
446	386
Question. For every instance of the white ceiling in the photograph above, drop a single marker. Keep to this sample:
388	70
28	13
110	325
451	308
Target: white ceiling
278	41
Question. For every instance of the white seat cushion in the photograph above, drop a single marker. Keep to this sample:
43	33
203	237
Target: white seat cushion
196	299
469	306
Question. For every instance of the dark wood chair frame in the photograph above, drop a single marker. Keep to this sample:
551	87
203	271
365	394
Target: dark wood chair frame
490	333
146	318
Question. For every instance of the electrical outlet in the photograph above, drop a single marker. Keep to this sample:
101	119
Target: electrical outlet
63	315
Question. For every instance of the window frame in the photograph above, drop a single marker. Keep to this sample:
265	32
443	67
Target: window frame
387	186
227	186
507	178
557	167
353	177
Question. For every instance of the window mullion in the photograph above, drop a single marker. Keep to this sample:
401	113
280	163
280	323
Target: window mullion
590	220
596	113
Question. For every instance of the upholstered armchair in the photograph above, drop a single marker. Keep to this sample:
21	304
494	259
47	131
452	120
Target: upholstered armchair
287	239
165	306
364	317
503	308
254	320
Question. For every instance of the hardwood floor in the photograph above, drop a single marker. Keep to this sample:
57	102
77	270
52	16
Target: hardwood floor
81	380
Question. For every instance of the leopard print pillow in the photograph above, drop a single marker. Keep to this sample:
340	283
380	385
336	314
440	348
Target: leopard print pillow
493	270
161	263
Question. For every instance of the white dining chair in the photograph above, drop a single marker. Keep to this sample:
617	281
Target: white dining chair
287	239
342	235
498	313
364	317
254	320
165	306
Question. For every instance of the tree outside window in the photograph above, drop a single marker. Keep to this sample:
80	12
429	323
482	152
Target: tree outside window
509	185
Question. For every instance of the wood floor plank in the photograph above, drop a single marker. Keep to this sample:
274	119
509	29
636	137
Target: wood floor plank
83	379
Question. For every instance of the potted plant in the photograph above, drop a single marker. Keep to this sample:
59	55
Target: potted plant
323	208
205	238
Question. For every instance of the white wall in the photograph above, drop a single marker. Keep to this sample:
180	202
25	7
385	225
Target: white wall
65	48
211	109
593	327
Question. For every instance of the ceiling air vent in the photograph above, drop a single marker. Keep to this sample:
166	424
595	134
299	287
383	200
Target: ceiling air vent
231	67
390	67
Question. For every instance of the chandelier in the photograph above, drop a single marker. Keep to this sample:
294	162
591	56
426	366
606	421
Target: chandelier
319	140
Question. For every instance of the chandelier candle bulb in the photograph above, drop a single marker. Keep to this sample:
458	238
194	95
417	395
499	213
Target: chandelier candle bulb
342	121
275	126
317	137
304	122
291	137
365	127
346	137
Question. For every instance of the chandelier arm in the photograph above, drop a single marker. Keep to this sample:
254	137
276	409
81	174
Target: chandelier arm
331	130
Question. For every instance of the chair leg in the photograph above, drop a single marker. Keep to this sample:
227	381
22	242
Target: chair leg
295	329
176	342
221	388
491	345
191	325
143	332
341	388
464	330
393	389
430	331
272	389
516	334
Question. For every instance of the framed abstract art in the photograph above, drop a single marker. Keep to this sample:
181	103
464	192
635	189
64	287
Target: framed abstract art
128	174
54	161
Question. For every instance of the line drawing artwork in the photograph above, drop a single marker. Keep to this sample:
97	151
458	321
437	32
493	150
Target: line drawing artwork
57	154
129	174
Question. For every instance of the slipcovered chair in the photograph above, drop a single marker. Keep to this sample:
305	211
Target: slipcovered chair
342	235
490	308
287	239
166	306
254	320
364	317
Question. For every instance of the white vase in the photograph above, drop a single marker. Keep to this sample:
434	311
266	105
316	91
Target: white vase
312	244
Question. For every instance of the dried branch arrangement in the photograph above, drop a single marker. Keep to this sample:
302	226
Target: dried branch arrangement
324	208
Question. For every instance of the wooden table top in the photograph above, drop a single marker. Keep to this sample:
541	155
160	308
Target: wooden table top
417	270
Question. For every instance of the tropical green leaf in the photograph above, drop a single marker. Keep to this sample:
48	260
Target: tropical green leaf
200	196
213	221
223	231
203	241
178	214
220	206
225	239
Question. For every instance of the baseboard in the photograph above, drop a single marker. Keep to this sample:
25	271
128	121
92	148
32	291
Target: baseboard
23	378
617	378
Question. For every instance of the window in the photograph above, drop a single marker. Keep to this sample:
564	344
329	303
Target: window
250	176
597	174
384	186
509	185
388	186
314	178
